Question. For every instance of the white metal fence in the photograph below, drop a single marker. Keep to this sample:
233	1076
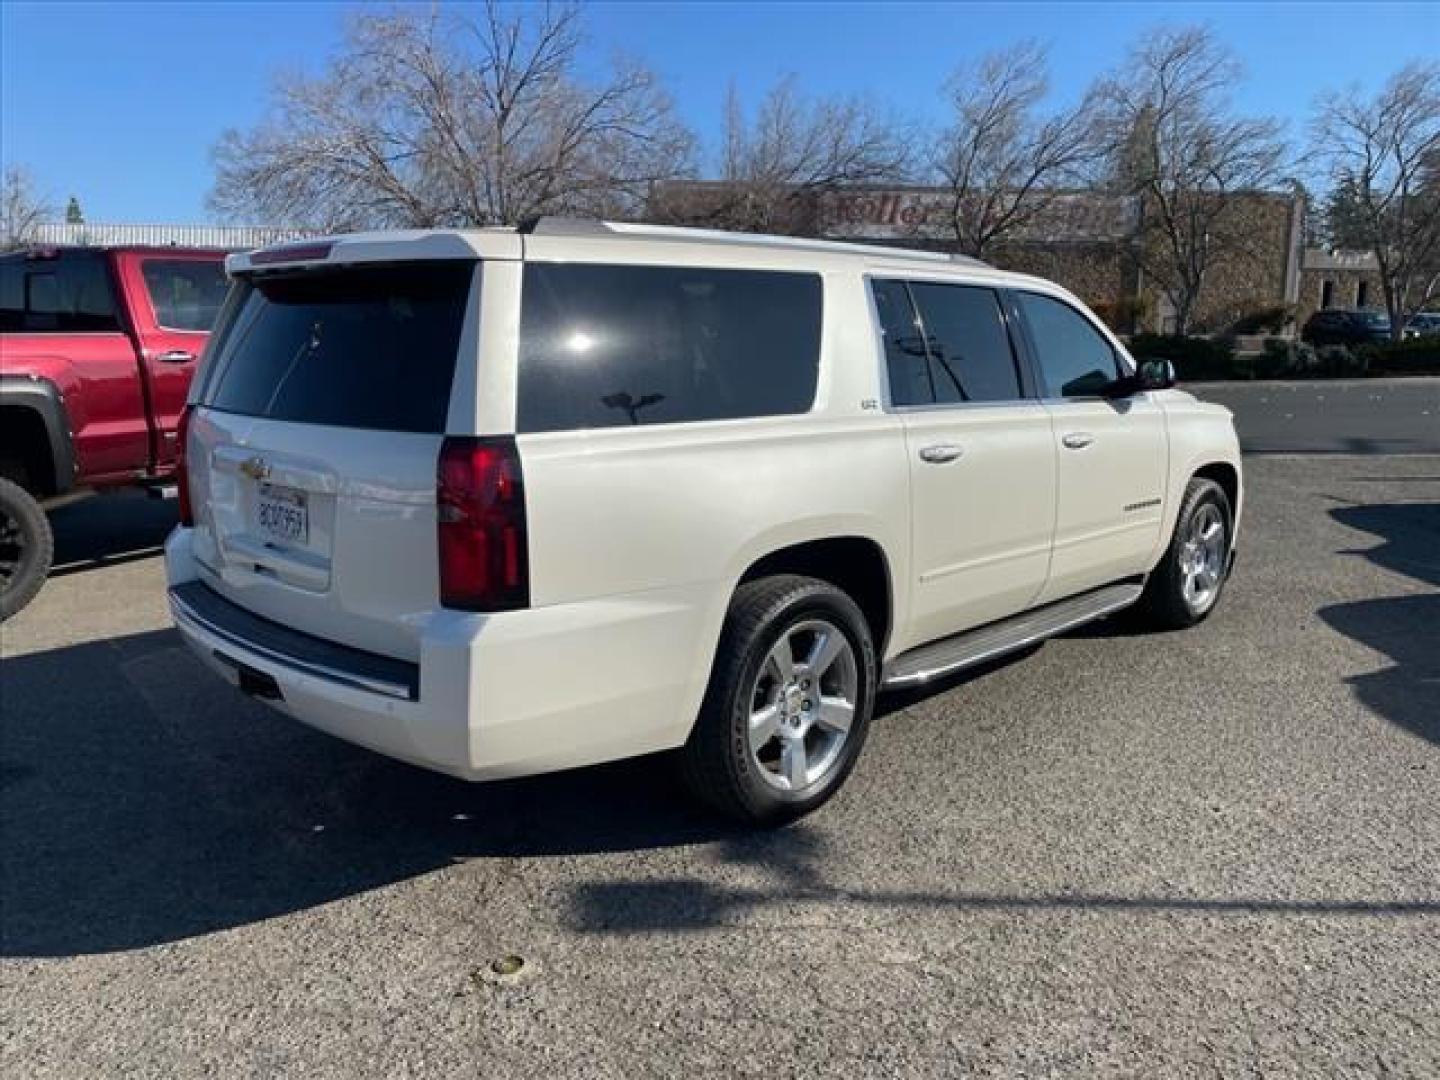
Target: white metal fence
230	237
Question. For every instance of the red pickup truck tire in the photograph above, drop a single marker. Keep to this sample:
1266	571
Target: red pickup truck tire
27	547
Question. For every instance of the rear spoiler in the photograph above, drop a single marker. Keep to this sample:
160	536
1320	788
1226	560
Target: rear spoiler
376	247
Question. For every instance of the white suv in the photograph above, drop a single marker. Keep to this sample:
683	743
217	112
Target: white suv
499	502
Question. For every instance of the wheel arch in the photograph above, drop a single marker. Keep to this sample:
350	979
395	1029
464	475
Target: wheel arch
855	564
1227	476
35	428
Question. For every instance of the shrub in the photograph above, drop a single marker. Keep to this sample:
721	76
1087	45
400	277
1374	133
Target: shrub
1264	320
1417	356
1286	358
1341	361
1193	357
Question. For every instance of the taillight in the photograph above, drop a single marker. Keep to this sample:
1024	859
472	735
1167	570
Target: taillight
182	471
480	499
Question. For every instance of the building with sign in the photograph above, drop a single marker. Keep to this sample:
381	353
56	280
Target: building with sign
1094	243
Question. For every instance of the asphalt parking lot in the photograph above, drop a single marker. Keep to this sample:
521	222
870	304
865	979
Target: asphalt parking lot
1354	416
1213	853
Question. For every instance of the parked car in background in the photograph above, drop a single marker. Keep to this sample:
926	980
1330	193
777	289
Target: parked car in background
1338	327
1425	324
97	347
501	502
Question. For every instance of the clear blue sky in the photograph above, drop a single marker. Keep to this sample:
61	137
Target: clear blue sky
120	103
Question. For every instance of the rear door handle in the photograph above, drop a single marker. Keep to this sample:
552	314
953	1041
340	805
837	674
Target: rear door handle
938	455
1077	440
176	356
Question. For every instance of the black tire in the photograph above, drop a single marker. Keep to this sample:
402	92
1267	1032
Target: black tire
717	762
27	547
1165	604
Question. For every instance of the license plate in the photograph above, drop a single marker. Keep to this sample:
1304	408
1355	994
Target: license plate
281	514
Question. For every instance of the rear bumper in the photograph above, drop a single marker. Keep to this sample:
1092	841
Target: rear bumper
198	609
492	696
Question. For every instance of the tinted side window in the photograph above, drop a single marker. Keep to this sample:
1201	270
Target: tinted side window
12	295
370	347
1075	360
70	294
602	346
905	356
185	293
969	345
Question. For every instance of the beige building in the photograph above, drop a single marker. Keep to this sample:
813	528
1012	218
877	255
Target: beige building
1338	279
1091	242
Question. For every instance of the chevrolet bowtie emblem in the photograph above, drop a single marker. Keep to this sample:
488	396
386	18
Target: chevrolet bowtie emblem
257	468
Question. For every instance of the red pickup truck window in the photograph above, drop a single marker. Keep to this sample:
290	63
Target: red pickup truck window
185	293
68	294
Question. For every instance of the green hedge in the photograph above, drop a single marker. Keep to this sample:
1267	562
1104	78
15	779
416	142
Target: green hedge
1193	357
1263	320
1201	359
1417	356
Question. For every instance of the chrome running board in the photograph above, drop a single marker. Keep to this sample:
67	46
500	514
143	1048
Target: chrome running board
971	647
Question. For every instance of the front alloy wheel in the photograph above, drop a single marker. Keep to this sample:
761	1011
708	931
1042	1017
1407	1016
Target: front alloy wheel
1202	558
1185	586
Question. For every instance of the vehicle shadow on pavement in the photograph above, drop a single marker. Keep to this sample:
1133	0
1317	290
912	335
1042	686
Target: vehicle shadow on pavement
793	861
1404	628
145	802
110	529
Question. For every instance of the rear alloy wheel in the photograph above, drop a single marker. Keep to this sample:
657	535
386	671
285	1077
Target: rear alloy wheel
803	705
26	548
789	701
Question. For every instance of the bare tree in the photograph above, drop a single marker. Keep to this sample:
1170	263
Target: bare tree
439	118
1001	161
1383	156
1175	143
22	208
795	149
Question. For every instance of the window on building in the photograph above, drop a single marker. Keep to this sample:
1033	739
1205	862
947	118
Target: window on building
1362	294
1075	359
1327	294
602	346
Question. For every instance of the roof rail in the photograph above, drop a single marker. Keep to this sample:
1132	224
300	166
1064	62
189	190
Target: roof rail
580	227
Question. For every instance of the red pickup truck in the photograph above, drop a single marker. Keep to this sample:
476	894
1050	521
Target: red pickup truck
97	347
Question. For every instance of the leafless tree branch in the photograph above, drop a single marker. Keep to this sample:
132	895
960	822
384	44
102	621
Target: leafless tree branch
1173	141
22	207
794	149
439	118
1002	162
1382	155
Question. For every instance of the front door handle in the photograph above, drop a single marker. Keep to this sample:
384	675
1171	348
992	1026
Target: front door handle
176	356
1077	440
938	455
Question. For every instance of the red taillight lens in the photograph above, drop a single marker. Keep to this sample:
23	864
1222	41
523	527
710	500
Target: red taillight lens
182	471
480	499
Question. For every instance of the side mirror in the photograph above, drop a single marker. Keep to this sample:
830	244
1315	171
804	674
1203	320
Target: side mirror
1154	375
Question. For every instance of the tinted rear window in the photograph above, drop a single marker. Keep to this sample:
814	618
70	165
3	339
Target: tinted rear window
604	346
367	347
